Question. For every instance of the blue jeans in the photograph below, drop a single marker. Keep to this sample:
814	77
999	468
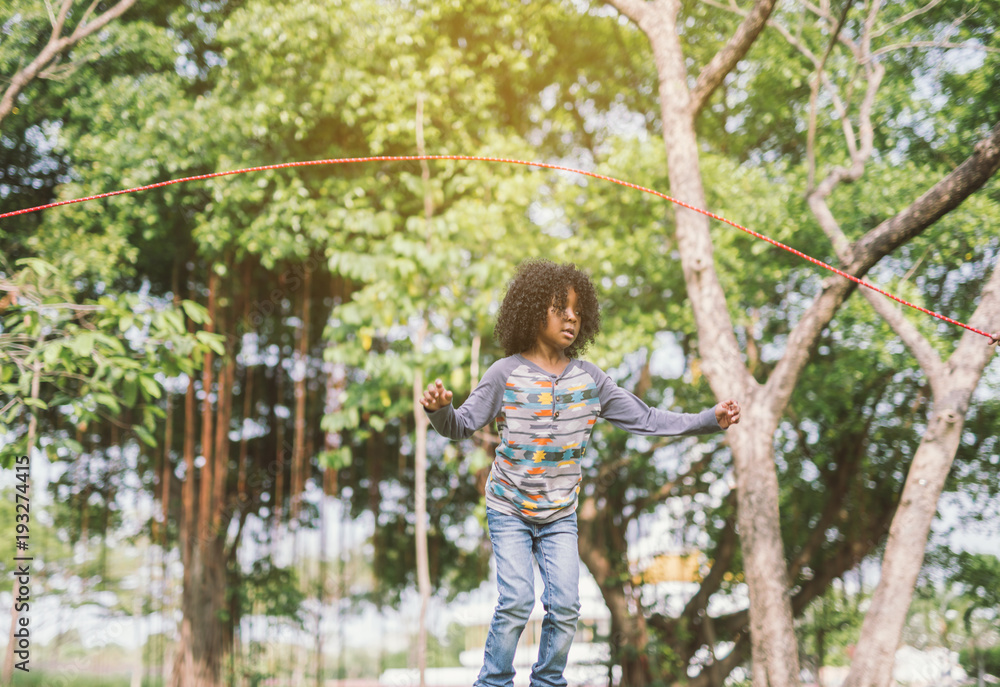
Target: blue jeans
554	546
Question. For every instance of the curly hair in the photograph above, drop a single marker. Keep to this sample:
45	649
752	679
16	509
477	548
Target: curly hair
530	294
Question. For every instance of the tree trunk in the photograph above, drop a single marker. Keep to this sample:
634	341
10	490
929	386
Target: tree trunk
774	647
773	640
774	643
883	625
773	637
629	639
205	639
420	426
207	469
183	669
299	458
420	497
248	370
279	459
206	636
952	386
602	547
221	515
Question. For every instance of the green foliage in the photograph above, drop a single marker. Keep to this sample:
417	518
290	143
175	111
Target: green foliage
979	574
73	361
990	661
830	626
270	590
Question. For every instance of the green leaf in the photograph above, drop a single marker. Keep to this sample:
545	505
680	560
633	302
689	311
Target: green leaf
130	391
213	341
150	386
174	320
83	344
336	459
108	401
52	351
110	342
149	416
145	435
196	312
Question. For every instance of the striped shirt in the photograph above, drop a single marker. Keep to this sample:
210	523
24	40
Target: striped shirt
545	421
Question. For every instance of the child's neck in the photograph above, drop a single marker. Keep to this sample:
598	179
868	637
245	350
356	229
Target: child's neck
548	358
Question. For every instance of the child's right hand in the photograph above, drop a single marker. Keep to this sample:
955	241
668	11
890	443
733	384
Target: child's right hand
435	397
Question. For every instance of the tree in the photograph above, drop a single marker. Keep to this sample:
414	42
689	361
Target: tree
952	382
775	662
77	368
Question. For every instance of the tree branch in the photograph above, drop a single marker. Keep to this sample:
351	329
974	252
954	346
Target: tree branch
636	10
905	18
937	201
736	656
940	199
668	488
90	11
814	93
933	44
860	154
986	317
920	347
83	30
869	27
725	60
59	22
725	549
55	47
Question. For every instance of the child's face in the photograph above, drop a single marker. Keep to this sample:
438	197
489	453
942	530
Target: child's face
562	326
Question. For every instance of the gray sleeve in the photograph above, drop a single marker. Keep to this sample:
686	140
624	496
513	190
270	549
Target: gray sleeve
479	409
624	409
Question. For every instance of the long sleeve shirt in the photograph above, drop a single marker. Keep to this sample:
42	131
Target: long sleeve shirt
545	421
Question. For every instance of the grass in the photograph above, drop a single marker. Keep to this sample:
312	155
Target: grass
40	679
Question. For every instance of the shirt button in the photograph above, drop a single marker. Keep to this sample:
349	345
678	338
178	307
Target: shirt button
556	414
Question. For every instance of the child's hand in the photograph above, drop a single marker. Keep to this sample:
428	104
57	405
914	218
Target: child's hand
727	413
436	396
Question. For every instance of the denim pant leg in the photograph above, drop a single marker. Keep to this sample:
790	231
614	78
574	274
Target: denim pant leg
512	546
557	553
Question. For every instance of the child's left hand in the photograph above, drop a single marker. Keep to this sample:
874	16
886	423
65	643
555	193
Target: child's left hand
727	413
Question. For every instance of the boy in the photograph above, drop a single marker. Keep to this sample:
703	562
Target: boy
545	402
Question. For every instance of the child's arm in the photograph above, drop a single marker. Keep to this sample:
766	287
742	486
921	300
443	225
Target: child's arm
480	408
626	410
